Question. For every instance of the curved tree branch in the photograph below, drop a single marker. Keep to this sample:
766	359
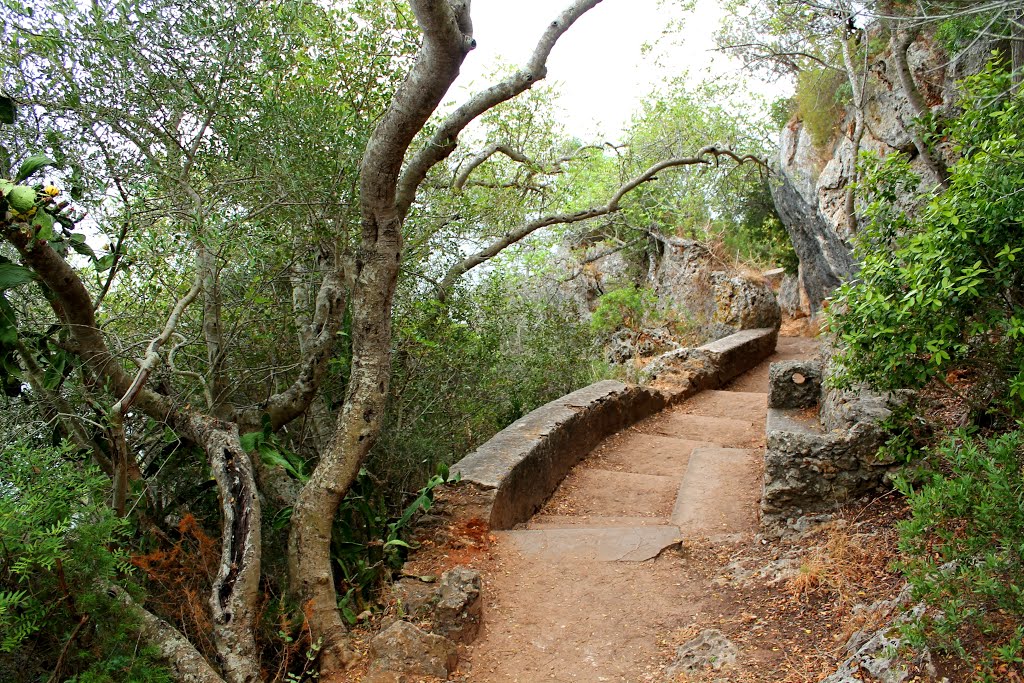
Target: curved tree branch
445	139
555	167
900	43
706	156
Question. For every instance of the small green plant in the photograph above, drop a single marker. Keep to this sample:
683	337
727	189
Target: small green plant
821	97
368	544
964	549
628	307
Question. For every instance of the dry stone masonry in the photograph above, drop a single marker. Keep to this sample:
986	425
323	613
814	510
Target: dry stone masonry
822	445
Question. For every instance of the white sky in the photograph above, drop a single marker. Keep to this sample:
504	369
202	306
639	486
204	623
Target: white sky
598	62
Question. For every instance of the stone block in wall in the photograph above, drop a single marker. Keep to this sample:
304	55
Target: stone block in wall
810	468
794	384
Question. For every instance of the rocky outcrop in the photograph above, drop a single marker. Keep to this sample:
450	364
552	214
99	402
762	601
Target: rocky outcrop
825	259
709	650
719	301
811	191
697	292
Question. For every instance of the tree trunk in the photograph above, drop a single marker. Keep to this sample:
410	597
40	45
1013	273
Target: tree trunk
900	43
213	332
236	589
357	428
186	663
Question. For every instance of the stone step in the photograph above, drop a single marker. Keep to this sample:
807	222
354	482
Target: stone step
728	432
591	522
594	491
647	454
710	502
732	404
629	544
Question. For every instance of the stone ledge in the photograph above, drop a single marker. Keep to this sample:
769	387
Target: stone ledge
519	468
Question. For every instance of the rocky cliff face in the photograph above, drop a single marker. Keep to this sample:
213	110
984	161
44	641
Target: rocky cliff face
811	193
709	296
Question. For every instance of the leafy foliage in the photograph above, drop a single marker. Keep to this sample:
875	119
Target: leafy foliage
940	289
964	549
627	307
820	100
58	539
368	544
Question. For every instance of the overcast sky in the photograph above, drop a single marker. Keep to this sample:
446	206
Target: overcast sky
599	62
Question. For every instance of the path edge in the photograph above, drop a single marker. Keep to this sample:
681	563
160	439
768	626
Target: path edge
511	476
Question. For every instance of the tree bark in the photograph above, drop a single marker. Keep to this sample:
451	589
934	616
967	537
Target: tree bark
447	38
235	589
900	43
213	332
186	663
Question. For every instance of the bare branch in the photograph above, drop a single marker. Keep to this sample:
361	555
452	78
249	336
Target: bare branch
445	139
447	39
494	148
706	156
152	356
487	153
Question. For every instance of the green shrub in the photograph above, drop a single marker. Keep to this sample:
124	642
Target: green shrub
964	549
57	540
627	307
940	289
821	96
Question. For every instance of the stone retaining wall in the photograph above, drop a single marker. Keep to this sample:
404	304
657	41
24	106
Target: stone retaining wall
514	473
821	446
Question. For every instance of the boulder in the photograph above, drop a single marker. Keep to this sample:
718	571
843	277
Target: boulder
744	303
405	649
416	597
790	300
459	609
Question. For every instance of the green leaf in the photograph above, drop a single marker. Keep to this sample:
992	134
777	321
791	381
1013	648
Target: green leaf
32	165
8	111
77	243
12	275
43	223
104	263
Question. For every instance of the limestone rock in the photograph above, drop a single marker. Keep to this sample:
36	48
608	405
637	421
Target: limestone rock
417	597
744	303
811	469
459	609
710	649
811	195
794	384
791	298
877	655
404	648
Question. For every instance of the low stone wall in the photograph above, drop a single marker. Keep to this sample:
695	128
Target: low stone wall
822	444
513	474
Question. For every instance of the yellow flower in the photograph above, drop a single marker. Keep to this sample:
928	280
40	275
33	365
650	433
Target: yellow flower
51	191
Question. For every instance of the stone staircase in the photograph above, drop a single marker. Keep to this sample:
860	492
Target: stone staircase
684	473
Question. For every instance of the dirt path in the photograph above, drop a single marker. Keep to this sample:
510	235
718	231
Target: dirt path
620	564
